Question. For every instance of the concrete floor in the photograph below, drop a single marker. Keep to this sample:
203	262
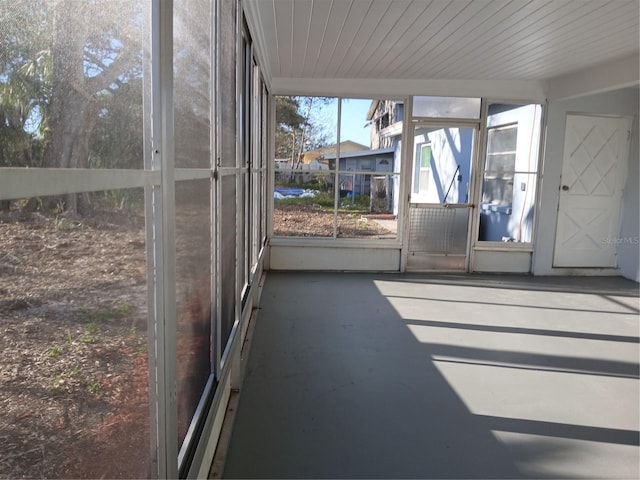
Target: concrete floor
449	376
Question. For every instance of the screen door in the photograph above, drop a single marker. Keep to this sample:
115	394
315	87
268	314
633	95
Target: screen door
439	200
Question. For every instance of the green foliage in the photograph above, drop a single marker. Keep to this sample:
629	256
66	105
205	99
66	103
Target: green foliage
287	115
92	327
117	138
109	313
123	308
74	69
25	83
66	225
94	387
359	205
322	199
57	389
128	200
86	338
23	103
54	351
312	185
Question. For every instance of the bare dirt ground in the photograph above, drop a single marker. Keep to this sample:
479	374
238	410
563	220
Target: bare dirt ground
312	221
73	362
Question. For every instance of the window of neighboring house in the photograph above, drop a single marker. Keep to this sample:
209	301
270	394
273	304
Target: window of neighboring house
425	169
510	173
384	120
500	166
399	112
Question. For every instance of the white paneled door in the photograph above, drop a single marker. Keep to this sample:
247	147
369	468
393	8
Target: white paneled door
593	175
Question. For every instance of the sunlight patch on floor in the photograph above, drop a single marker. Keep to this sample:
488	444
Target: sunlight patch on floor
540	456
540	395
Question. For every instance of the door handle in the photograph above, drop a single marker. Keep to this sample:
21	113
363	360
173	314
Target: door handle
565	188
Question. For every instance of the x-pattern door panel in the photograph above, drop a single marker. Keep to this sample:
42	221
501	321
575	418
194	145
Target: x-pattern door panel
593	175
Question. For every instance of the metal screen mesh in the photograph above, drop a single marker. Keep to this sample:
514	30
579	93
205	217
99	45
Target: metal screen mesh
438	229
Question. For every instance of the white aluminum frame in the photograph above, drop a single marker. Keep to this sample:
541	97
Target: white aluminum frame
158	178
444	122
528	248
334	240
164	225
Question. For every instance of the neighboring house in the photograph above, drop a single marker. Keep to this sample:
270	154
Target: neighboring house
380	160
510	173
442	165
442	170
318	159
385	118
319	153
313	160
282	163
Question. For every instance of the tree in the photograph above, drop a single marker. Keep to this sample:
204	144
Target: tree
300	128
288	122
24	73
72	69
95	50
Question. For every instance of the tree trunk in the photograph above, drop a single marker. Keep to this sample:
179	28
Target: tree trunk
72	108
303	138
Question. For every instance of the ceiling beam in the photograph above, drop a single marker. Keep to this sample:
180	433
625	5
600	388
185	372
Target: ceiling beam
613	75
524	90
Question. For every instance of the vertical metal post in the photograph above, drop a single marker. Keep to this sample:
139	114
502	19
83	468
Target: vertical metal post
241	137
163	150
217	189
406	169
271	166
336	177
544	108
151	194
215	195
476	183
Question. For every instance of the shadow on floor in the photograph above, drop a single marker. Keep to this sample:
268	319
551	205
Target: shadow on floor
338	386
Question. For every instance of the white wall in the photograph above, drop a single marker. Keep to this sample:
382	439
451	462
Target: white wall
628	253
333	258
619	102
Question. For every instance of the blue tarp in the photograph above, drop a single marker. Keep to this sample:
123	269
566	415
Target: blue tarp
288	191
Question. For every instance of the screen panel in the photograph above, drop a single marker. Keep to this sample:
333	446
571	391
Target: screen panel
446	107
74	382
228	256
193	297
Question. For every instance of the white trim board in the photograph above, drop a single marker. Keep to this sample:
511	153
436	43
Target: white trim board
39	182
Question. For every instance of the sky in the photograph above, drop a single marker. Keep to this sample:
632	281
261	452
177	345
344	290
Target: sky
354	119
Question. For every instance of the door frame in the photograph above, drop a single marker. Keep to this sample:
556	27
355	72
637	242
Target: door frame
507	257
407	177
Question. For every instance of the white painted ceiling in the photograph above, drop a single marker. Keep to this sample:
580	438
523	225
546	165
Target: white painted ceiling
524	40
